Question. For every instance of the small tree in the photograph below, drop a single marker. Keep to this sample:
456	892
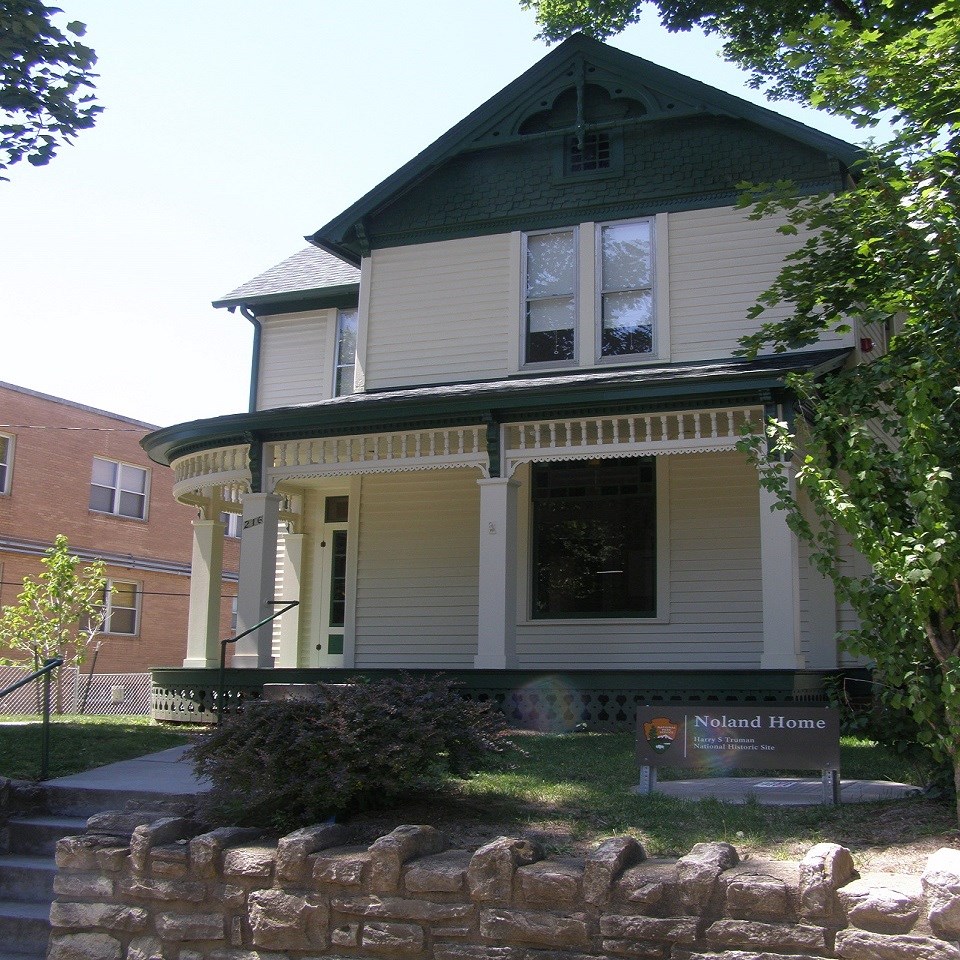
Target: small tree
58	614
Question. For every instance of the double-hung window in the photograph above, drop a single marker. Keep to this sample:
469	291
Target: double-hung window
616	320
6	463
551	296
122	608
232	524
119	488
346	352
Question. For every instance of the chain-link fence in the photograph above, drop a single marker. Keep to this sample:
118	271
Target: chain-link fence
72	691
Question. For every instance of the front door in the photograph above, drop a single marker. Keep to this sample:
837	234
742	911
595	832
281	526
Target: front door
328	641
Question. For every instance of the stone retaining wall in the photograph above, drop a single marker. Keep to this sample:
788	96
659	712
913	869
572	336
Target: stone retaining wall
172	892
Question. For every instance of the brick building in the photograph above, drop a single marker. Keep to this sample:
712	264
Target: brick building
72	469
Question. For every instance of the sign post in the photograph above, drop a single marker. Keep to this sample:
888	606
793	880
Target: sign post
712	739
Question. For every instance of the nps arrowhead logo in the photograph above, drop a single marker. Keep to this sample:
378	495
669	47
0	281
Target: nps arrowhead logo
660	732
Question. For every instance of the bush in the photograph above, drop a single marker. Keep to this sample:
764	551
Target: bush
362	745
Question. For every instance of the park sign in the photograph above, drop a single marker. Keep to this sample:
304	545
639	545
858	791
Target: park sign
716	739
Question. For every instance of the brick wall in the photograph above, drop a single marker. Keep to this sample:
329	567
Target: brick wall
55	443
173	892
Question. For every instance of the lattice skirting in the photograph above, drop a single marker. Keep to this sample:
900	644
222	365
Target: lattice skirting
559	701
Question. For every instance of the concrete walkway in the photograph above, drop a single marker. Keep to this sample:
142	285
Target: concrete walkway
781	791
163	773
167	773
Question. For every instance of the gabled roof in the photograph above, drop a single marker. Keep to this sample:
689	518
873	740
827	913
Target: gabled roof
489	124
309	274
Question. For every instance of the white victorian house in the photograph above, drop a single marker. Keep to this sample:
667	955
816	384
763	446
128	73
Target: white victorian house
495	407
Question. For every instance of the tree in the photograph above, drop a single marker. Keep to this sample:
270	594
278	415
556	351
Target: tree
877	447
46	83
58	614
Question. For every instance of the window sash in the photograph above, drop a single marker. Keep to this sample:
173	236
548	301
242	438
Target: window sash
118	488
122	608
6	460
625	288
345	360
550	296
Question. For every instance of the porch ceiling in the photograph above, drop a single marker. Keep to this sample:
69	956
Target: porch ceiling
502	401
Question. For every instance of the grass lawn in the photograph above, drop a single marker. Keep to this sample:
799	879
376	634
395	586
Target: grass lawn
78	743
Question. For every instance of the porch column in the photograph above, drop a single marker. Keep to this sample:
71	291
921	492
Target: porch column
780	573
497	622
206	578
290	621
258	572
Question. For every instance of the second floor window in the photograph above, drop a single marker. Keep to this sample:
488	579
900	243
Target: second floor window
551	296
346	352
6	462
118	488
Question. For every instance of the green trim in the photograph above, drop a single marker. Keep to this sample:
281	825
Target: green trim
339	238
629	390
335	643
345	295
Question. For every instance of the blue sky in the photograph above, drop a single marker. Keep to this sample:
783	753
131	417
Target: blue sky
233	128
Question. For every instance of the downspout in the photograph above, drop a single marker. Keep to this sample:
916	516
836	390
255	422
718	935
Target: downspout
255	365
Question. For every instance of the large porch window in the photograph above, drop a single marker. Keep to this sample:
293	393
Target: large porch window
594	539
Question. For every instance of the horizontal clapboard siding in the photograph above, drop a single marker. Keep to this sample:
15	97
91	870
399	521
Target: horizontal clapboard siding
295	362
418	570
715	600
440	312
720	263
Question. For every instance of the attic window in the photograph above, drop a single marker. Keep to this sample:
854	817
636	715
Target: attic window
593	155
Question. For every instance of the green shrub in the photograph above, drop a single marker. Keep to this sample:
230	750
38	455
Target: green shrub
362	745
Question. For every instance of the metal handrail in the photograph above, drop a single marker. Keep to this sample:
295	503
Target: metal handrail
48	667
290	604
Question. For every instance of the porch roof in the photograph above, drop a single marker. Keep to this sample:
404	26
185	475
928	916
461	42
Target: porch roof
518	398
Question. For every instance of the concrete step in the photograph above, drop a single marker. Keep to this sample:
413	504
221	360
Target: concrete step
82	801
38	836
25	926
26	879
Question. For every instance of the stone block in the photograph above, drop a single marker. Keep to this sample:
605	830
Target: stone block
550	882
251	863
122	823
113	859
284	921
345	935
390	853
391	937
645	951
167	891
534	927
863	945
824	869
83	946
144	948
758	897
941	886
344	869
149	835
672	930
490	874
294	848
80	853
649	885
470	951
443	873
781	937
879	909
207	849
699	870
115	917
604	865
87	885
190	926
397	908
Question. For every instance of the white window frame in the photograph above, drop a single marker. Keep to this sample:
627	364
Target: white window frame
7	483
338	362
232	524
119	489
574	231
109	608
588	310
